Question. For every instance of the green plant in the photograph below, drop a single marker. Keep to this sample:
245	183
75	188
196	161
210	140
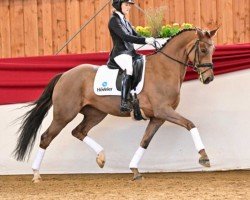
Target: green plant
186	26
175	29
165	31
144	31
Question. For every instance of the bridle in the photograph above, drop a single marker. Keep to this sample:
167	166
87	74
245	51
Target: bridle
194	64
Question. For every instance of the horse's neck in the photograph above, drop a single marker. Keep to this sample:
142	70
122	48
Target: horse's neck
176	48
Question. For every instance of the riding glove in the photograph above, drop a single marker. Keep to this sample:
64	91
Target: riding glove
150	40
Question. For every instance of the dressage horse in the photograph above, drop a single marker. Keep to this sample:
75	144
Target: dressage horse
72	92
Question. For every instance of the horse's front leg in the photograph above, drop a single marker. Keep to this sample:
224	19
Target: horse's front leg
152	127
169	114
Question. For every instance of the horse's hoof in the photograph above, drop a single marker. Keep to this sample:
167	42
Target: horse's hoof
36	180
138	177
100	159
204	161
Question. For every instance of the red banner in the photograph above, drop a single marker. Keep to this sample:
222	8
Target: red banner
23	79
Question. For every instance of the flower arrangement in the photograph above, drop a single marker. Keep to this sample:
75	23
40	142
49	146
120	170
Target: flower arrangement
164	31
155	27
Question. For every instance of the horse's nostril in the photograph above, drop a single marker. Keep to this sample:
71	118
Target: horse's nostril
208	80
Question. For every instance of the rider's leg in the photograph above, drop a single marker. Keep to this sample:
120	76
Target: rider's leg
126	86
125	62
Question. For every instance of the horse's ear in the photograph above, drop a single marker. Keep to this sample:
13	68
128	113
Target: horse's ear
200	33
213	32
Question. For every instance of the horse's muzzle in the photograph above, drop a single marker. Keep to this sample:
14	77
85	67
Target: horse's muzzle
208	79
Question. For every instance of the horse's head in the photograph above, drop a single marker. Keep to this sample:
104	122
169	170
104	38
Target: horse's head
200	52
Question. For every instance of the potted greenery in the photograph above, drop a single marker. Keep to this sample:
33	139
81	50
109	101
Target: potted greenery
165	32
156	29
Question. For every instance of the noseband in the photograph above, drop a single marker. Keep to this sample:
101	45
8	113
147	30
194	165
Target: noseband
194	64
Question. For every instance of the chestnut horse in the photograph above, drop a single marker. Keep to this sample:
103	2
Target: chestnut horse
72	92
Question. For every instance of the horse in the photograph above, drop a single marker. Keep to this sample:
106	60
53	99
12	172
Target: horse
72	92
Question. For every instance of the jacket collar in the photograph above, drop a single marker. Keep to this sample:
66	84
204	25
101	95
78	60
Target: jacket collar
116	13
120	15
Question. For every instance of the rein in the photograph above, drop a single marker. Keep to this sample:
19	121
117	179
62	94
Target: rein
193	65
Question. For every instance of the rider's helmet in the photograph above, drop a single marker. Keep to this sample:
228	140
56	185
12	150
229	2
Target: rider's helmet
117	4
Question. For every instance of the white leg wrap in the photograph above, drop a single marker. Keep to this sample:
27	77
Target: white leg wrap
38	160
197	139
93	144
137	157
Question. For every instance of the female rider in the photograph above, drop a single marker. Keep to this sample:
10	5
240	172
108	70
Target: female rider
123	36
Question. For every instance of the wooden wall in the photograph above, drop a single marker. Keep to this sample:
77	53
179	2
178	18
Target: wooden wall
41	27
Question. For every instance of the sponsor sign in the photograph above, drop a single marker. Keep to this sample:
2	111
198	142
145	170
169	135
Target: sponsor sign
104	87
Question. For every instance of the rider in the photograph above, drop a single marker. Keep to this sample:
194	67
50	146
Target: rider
123	35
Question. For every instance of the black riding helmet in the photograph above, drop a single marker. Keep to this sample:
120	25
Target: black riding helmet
117	4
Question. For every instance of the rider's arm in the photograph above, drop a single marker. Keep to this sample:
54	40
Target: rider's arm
133	30
116	26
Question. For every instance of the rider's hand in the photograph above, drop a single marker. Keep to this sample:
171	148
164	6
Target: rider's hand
150	40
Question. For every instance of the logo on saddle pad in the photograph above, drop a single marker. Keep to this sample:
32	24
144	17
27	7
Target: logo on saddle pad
104	87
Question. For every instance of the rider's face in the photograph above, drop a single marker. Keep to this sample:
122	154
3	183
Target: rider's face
125	7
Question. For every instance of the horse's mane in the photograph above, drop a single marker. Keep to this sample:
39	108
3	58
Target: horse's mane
180	32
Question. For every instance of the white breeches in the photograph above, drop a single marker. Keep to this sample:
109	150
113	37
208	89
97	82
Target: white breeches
125	62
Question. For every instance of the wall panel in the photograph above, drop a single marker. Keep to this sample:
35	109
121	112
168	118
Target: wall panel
59	31
5	46
30	28
73	24
16	28
102	38
41	27
47	27
87	10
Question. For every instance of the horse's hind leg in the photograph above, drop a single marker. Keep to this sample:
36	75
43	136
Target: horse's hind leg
46	138
92	117
61	117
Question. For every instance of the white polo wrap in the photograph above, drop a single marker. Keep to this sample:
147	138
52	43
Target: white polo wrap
38	160
93	144
137	157
197	139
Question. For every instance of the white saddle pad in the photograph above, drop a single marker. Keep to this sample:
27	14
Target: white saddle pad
105	81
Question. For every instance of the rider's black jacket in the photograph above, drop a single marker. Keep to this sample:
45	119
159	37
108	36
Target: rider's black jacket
123	36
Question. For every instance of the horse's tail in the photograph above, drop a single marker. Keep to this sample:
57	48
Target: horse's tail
32	121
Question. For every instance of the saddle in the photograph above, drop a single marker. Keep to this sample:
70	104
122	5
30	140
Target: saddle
137	72
108	82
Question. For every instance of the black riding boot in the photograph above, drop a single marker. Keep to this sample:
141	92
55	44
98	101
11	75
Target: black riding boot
126	86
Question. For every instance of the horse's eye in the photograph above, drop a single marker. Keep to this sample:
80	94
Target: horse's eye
204	50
